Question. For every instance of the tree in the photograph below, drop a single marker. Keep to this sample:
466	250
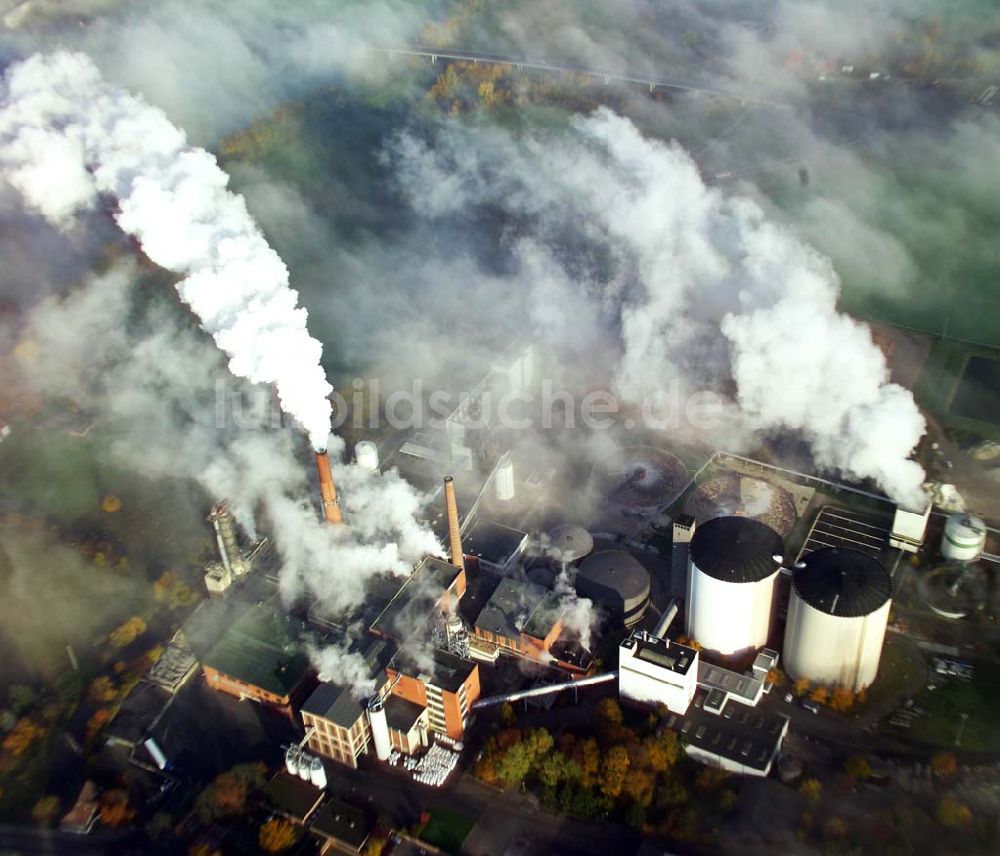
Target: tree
609	712
125	634
507	714
227	795
172	591
812	790
819	695
944	764
115	810
727	800
950	812
614	767
801	686
276	835
20	697
45	810
709	780
102	690
589	762
97	721
111	504
638	786
160	825
671	793
857	768
774	676
555	768
25	732
842	698
663	750
375	845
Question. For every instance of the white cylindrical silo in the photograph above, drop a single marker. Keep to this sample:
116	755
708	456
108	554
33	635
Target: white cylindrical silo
366	455
304	761
292	756
964	538
837	616
733	562
380	729
504	479
317	772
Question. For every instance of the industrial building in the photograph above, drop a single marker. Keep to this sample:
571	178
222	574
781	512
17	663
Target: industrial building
837	617
259	657
909	528
615	580
446	687
732	566
519	617
569	544
657	671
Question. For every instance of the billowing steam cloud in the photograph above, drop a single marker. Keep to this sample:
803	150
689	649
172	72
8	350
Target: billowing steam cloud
705	287
67	138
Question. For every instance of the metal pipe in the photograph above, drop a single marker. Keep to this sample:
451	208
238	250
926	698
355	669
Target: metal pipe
661	627
454	532
492	701
327	489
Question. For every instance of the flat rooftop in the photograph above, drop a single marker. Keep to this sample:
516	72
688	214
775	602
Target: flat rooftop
740	686
408	610
448	673
511	607
492	542
401	714
342	822
292	796
740	733
667	655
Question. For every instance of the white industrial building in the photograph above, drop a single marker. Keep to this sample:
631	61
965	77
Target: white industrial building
657	671
909	528
837	617
732	566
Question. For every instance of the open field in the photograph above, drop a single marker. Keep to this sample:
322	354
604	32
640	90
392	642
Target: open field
447	829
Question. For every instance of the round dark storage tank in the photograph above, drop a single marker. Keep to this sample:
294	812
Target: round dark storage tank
570	543
733	562
837	617
615	580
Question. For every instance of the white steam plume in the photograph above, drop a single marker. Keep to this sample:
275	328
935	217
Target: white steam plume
704	287
67	137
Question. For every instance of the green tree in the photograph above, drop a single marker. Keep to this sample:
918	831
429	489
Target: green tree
555	768
507	715
671	793
20	697
609	712
614	768
812	790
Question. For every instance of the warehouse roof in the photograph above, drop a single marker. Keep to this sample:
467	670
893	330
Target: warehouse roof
736	549
742	734
292	796
845	583
343	823
262	649
510	608
421	592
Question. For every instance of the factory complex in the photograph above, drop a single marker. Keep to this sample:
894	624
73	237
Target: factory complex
696	589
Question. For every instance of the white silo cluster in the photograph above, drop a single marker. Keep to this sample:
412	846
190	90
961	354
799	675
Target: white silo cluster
366	455
964	538
433	768
837	617
307	767
733	563
380	728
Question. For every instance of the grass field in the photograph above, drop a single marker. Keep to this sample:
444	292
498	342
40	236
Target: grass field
900	661
945	706
447	829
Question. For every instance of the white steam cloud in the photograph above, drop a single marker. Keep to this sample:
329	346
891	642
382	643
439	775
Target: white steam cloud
705	289
67	137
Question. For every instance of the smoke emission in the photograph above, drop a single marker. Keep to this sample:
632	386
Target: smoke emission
67	138
706	287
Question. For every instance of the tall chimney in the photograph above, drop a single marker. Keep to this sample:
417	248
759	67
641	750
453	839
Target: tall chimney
454	534
331	504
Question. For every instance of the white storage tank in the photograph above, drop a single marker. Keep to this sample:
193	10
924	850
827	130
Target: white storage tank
380	728
732	565
304	761
317	772
504	479
837	615
292	757
964	538
366	455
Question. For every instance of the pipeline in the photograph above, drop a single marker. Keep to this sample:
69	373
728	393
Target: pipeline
492	701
